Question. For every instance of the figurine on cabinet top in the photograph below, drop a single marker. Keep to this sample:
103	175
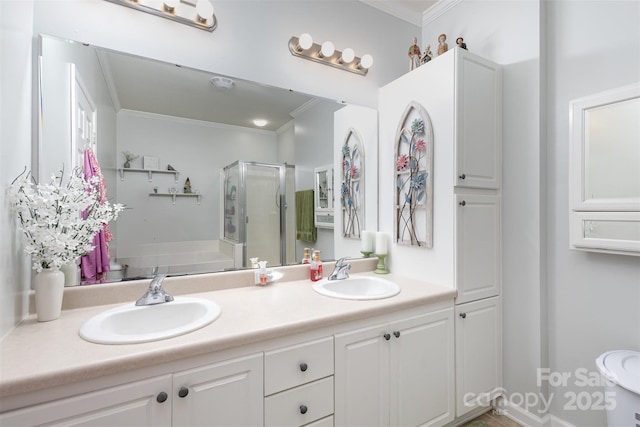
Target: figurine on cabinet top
460	42
442	44
427	55
414	55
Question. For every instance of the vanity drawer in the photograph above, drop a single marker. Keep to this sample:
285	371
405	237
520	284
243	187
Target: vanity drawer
300	405
299	364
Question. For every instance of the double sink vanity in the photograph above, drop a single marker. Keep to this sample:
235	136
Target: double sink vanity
374	351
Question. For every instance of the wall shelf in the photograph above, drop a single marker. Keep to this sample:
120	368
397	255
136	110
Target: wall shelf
176	195
148	171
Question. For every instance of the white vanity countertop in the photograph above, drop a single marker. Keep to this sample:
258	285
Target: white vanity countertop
38	355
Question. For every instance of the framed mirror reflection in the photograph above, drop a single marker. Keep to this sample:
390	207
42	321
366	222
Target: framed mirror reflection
192	124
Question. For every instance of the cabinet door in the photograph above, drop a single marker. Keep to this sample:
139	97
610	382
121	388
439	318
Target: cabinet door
478	353
478	249
134	404
478	127
228	393
362	377
422	370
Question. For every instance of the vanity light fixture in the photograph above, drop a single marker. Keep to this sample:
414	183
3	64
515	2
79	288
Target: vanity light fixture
196	13
304	47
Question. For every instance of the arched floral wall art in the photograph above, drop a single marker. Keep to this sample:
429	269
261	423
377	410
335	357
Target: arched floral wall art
352	187
414	178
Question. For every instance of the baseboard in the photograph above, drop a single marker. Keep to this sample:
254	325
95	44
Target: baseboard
527	419
521	415
474	413
557	422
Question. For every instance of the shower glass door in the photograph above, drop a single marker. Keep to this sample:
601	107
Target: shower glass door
264	186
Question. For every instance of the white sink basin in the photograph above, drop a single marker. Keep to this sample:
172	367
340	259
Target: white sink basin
358	288
130	324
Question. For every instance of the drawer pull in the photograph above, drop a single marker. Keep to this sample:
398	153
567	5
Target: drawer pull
162	397
303	367
463	176
387	336
463	315
183	391
463	203
303	409
396	334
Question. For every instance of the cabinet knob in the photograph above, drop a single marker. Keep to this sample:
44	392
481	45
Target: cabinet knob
303	409
396	334
463	176
183	391
387	336
463	203
162	397
463	315
303	367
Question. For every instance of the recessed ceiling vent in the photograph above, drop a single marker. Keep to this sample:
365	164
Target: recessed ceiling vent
222	83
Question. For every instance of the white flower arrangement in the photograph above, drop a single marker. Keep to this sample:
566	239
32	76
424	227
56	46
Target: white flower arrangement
51	216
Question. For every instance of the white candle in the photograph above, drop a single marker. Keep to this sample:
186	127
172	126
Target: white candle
367	241
381	243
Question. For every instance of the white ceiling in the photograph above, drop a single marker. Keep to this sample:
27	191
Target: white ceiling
142	84
145	85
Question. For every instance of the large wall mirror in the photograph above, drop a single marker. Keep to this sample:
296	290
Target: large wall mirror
605	171
180	123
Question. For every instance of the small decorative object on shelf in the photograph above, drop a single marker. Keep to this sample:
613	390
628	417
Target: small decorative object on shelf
155	190
187	186
427	55
414	55
461	44
170	168
128	158
150	163
442	44
173	190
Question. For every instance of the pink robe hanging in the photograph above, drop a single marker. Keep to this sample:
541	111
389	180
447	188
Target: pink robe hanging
95	265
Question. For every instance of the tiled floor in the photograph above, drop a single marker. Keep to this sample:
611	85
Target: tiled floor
491	420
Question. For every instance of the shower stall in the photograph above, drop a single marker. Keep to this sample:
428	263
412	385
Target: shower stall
259	210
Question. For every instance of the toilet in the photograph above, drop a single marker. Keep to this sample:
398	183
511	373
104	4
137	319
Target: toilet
622	370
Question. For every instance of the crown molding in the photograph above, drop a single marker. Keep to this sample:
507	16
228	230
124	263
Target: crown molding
304	107
396	10
437	10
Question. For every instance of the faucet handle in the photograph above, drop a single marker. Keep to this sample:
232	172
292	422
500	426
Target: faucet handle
156	282
342	261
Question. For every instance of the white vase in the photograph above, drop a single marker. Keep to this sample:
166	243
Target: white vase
49	287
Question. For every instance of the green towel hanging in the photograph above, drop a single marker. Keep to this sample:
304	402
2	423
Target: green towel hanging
305	211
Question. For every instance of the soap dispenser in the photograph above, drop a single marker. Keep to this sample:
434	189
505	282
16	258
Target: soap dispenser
306	258
316	267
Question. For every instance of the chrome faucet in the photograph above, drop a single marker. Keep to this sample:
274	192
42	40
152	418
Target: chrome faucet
155	294
340	271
